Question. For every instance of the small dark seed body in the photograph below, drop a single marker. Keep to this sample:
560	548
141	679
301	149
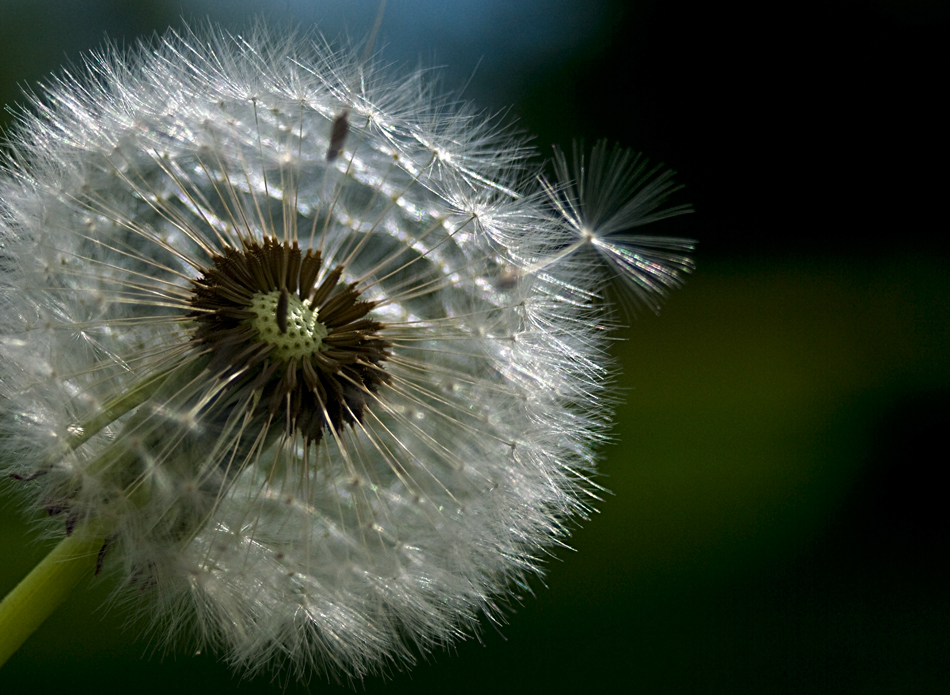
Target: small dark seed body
102	553
338	133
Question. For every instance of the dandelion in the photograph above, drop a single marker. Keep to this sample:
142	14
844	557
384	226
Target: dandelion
303	355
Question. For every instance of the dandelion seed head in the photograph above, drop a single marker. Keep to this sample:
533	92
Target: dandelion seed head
331	391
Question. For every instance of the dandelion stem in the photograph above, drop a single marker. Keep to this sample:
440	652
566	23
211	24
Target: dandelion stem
118	407
42	591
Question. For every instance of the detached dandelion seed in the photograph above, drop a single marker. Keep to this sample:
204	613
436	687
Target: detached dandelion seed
605	199
319	384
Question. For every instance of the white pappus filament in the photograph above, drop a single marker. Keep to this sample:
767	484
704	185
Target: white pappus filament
331	390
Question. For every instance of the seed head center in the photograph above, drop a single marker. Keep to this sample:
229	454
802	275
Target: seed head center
293	328
288	337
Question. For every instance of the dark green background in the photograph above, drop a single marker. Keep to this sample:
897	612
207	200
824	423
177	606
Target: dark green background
776	522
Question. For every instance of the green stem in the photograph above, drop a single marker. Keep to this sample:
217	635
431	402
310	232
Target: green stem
109	413
46	587
118	407
34	599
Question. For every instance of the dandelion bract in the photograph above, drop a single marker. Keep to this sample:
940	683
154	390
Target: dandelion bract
328	392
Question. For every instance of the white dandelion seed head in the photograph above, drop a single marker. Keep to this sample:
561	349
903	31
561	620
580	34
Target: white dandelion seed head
326	407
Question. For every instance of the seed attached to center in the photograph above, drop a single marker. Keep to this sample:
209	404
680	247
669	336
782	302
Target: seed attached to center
288	323
298	350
